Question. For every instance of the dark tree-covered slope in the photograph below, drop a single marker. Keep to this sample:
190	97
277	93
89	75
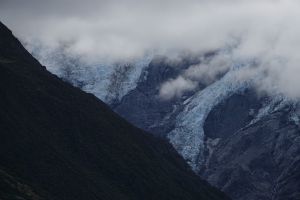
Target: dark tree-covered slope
57	142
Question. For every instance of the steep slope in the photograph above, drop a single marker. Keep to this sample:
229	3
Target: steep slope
58	142
12	188
252	156
246	145
149	111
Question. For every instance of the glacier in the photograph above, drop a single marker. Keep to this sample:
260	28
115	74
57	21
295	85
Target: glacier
108	81
188	135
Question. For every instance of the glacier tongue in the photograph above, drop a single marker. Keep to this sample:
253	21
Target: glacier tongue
188	135
108	81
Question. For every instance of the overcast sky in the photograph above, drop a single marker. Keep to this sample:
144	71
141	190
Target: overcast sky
264	30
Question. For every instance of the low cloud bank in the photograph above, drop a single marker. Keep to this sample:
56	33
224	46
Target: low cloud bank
262	31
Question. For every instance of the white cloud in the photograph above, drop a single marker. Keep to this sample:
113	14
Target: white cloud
207	71
176	87
266	31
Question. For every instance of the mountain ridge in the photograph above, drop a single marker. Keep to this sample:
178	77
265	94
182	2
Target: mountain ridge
217	115
67	144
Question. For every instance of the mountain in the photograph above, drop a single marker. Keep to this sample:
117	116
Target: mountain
253	147
58	142
246	144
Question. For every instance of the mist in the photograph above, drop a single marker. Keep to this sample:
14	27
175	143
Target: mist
262	31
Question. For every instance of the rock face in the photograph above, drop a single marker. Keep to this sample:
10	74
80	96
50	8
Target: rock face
149	111
257	160
245	144
58	142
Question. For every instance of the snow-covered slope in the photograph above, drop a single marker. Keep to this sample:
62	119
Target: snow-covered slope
108	81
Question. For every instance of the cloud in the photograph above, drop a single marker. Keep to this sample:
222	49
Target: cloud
264	31
206	72
209	69
176	87
125	29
